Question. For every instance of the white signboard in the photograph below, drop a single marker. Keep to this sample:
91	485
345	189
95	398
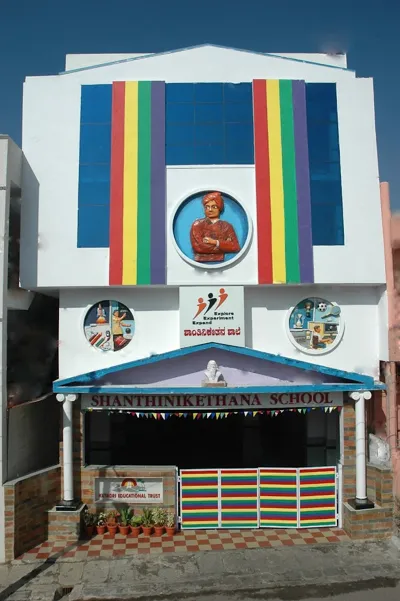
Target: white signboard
128	490
212	402
211	314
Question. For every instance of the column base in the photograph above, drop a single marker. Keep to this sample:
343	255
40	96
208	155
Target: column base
68	505
358	504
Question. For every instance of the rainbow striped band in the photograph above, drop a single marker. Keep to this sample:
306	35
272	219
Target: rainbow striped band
137	205
285	251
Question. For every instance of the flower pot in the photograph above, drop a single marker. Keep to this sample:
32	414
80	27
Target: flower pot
89	531
170	530
124	530
112	529
147	530
135	530
100	529
158	530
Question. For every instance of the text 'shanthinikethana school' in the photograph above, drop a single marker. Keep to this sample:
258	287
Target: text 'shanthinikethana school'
211	221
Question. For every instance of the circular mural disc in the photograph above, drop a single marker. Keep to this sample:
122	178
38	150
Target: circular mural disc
315	325
109	325
211	230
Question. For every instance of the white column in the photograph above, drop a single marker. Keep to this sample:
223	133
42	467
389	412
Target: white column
68	471
361	459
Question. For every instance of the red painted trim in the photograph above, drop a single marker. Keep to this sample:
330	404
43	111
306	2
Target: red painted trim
261	152
117	183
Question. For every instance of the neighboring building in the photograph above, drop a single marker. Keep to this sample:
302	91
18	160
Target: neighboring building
198	212
28	348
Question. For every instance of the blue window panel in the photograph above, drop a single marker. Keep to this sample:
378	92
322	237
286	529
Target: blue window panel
179	92
180	155
209	113
240	153
210	154
327	213
238	92
323	142
93	193
93	226
94	173
238	132
208	92
180	112
179	134
238	112
96	103
95	143
321	99
325	171
209	134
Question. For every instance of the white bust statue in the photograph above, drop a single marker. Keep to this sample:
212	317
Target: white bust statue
213	375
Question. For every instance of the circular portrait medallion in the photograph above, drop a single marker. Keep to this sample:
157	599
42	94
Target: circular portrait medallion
109	325
211	230
315	325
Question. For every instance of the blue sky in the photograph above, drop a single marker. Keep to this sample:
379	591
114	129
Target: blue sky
36	35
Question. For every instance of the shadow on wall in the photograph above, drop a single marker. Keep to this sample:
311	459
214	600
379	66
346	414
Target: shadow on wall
29	227
32	447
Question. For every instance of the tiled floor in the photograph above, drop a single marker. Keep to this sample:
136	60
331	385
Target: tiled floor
183	542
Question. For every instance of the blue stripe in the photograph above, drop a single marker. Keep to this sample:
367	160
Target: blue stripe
94	167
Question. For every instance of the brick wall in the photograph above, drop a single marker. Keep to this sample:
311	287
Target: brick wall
65	526
368	523
27	501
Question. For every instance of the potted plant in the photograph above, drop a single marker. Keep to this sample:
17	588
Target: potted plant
89	519
170	523
101	523
136	524
159	520
125	516
147	522
112	521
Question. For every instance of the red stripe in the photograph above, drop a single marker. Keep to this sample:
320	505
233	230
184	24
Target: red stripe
261	151
117	182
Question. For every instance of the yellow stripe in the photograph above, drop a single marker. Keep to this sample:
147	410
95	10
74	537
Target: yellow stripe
294	521
317	497
304	486
276	182
317	474
320	521
129	254
313	509
283	486
277	498
195	476
207	510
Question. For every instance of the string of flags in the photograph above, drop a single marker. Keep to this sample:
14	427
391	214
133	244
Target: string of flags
218	414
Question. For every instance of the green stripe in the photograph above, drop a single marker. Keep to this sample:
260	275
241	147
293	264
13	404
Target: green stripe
144	184
289	182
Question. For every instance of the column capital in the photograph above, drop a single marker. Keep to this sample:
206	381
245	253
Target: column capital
357	395
66	397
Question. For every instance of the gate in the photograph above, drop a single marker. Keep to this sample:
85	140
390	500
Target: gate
259	498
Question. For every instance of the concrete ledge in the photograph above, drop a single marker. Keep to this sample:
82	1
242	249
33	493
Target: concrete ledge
65	525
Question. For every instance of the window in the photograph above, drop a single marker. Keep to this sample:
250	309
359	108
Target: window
209	124
324	157
94	167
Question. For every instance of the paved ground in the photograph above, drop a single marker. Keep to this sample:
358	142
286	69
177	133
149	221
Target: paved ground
287	572
187	541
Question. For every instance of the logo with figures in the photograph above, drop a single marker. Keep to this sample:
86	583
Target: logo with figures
211	313
204	307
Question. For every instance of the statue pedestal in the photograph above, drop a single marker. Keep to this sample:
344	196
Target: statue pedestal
207	384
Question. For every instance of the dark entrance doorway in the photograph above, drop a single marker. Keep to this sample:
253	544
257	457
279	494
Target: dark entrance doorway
288	440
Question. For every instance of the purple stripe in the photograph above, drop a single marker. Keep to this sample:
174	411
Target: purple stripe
158	183
306	257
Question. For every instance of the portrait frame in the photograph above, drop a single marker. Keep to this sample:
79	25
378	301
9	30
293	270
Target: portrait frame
311	351
226	195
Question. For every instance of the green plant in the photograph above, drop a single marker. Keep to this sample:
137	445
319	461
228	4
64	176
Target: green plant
112	517
89	517
125	516
136	521
159	516
101	519
147	518
170	519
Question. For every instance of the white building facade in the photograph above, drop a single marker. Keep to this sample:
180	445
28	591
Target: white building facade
209	205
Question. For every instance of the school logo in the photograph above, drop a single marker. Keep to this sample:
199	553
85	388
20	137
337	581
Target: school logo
205	306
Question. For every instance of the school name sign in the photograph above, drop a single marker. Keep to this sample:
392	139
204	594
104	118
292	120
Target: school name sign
197	402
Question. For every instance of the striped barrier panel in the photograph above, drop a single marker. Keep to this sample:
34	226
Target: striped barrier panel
239	498
199	498
278	498
317	497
